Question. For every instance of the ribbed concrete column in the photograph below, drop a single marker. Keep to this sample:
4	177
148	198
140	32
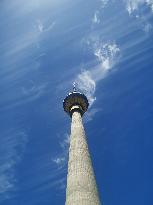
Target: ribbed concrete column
81	184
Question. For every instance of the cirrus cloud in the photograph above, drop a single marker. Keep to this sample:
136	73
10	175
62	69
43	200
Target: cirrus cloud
106	56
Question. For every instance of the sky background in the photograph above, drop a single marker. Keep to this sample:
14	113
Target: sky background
106	47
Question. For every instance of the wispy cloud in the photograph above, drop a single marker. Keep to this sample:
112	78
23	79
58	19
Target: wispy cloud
134	5
104	3
106	56
34	91
28	93
87	84
134	8
60	162
150	3
42	27
90	114
61	159
12	142
96	18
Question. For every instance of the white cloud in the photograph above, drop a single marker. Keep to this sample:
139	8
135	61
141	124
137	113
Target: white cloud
40	26
150	3
50	27
87	85
65	143
96	18
134	9
33	91
134	5
44	28
147	27
104	3
5	183
106	55
61	160
90	114
11	142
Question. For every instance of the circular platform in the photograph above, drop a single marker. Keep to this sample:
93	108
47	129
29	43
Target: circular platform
75	99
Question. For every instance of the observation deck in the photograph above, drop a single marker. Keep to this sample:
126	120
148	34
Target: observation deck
75	101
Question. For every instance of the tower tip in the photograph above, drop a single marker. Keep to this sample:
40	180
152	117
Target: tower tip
74	87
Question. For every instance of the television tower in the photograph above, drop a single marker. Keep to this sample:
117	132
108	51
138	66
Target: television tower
81	184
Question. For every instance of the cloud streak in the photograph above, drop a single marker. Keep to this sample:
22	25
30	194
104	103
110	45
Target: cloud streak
134	8
44	28
11	142
87	84
106	56
96	18
61	160
134	5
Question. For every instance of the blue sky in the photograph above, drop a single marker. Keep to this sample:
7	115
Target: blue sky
106	47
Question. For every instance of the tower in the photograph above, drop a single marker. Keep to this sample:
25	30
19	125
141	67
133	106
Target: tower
81	184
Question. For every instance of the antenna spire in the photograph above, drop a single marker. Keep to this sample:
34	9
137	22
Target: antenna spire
74	87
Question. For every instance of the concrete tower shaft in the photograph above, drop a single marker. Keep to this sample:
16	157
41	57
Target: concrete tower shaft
81	184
